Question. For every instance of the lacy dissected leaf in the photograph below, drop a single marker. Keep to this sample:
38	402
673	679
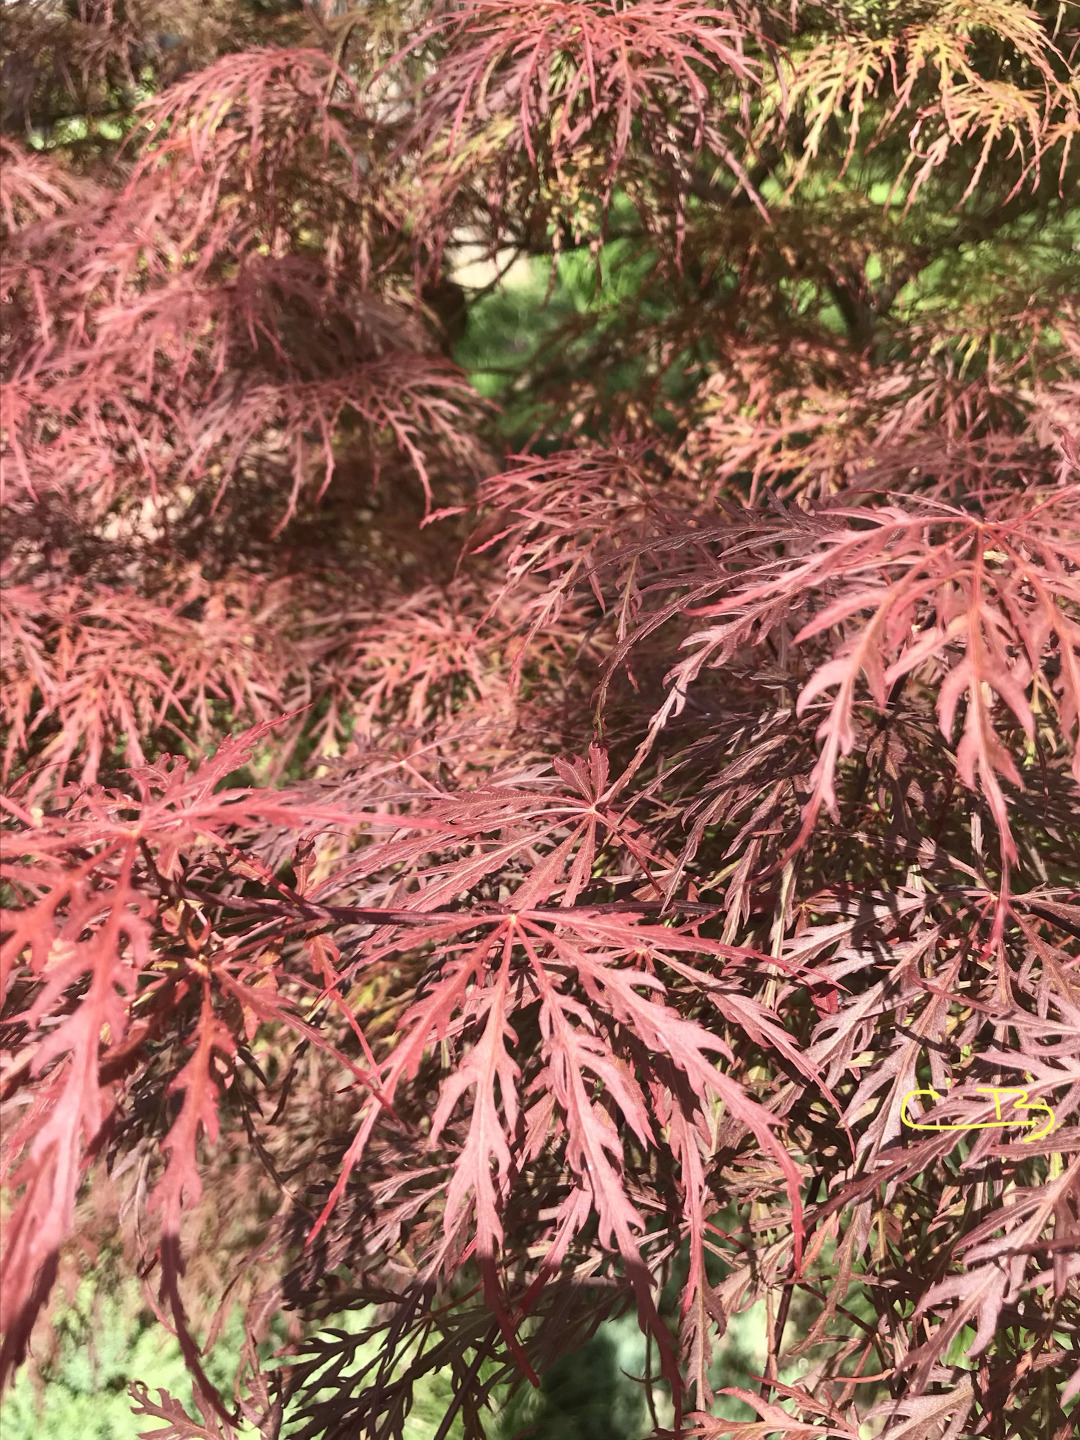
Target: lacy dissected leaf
545	78
486	873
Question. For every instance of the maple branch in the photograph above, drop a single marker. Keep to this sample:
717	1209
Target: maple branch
741	569
482	915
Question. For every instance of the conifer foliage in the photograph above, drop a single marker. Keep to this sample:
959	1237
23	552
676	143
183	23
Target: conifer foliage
506	877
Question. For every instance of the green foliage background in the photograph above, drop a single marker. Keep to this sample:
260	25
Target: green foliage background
106	1339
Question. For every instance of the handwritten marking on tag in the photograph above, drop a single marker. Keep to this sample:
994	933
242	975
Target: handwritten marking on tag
1021	1109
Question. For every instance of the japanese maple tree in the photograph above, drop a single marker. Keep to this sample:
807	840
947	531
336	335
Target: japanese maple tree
494	843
